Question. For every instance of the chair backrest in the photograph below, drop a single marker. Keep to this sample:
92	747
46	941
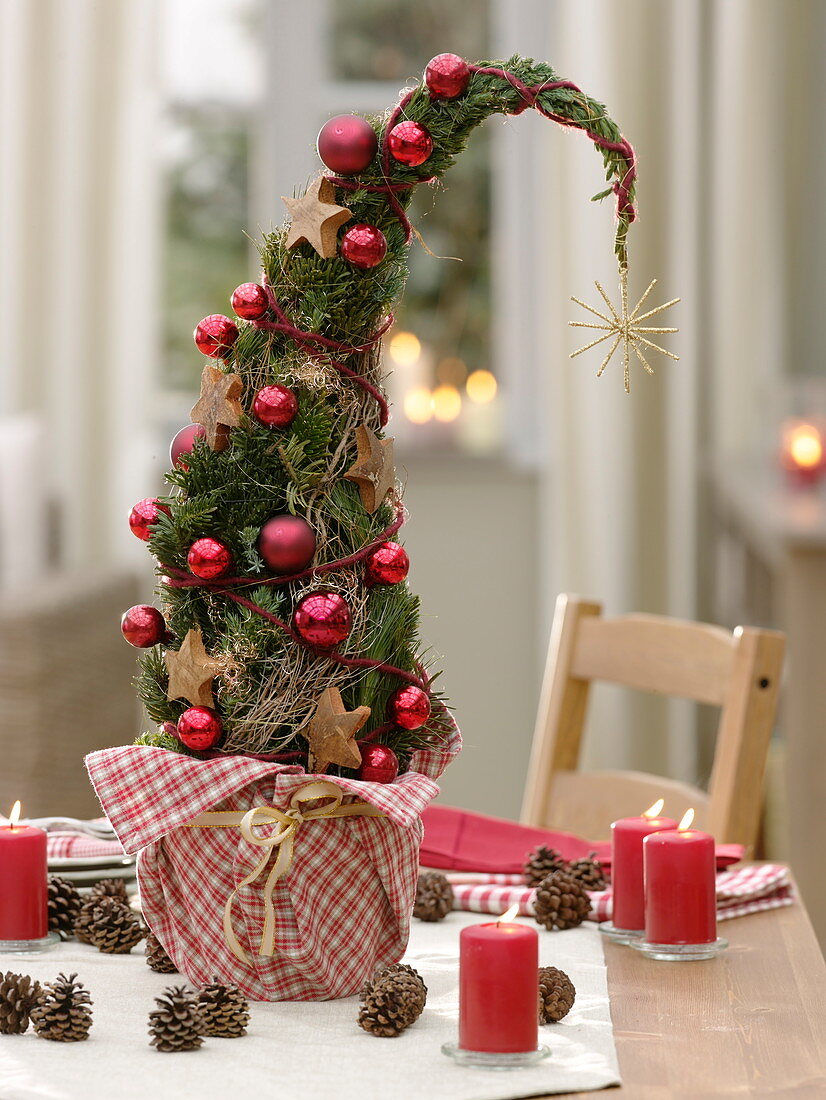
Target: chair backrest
739	672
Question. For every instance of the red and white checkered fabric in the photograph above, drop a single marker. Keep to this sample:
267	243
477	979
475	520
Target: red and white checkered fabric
66	845
343	907
744	890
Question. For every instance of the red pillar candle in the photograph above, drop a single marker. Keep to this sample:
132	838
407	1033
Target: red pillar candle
498	966
627	896
24	911
680	880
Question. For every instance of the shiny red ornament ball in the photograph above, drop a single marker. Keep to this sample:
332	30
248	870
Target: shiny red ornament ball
322	619
143	626
215	335
379	764
143	515
387	564
409	707
199	728
183	443
287	544
208	559
250	301
347	144
410	143
447	76
364	246
275	406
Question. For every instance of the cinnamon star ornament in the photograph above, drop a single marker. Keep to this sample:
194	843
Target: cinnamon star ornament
375	470
315	218
191	671
332	730
218	408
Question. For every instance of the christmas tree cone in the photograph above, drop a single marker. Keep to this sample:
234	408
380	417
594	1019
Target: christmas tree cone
298	730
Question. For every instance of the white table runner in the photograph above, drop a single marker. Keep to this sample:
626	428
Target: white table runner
311	1050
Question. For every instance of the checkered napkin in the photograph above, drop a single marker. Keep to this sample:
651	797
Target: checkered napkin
747	889
68	844
342	907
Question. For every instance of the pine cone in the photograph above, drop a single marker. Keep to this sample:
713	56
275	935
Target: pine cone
393	968
64	905
391	1003
434	897
64	1011
225	1011
113	928
556	994
111	888
176	1023
156	956
588	872
541	862
561	902
18	996
84	919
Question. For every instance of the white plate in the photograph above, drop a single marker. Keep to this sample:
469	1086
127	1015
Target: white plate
89	878
87	863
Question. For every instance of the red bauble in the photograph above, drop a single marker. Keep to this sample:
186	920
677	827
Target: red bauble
322	619
215	335
446	76
387	564
249	300
347	144
379	764
208	558
183	443
364	246
287	544
275	406
200	728
409	707
143	626
410	143
143	515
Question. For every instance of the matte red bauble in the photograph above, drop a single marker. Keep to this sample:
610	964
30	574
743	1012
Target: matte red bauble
143	515
275	406
347	144
249	300
409	707
208	558
215	335
287	544
183	443
387	564
446	76
143	626
410	143
364	246
200	728
379	764
322	619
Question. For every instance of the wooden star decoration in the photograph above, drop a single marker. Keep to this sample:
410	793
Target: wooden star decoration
315	218
375	470
218	408
191	671
332	730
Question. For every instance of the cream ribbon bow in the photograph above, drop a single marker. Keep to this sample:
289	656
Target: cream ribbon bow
283	841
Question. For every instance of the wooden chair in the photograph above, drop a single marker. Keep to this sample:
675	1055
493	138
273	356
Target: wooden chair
739	672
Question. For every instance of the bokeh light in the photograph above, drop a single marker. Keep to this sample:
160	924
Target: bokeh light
418	405
806	446
482	387
447	403
405	349
451	371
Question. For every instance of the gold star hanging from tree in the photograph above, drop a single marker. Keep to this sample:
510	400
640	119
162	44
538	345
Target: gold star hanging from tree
315	218
218	408
375	470
191	671
624	327
332	730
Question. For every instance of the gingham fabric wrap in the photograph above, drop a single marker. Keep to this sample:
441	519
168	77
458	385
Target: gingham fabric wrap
342	909
748	889
65	845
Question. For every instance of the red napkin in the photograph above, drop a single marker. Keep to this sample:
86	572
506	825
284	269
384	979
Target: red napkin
458	840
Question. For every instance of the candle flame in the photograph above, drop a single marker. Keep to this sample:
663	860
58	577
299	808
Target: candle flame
687	818
509	914
655	810
14	816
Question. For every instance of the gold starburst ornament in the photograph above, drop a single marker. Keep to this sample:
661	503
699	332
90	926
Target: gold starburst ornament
624	327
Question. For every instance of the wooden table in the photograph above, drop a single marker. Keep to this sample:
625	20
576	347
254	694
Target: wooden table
750	1023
